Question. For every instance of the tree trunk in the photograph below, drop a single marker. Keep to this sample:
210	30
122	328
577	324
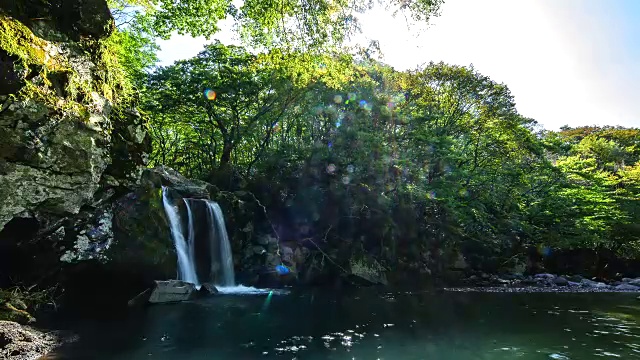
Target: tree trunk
227	148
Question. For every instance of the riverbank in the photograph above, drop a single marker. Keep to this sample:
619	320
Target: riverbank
22	342
546	282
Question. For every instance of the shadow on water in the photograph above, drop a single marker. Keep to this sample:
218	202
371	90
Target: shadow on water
370	325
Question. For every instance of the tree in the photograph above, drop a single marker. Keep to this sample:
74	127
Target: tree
230	99
309	23
408	166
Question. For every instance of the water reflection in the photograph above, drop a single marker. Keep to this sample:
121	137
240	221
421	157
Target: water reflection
371	325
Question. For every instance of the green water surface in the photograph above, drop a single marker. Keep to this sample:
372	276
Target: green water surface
369	324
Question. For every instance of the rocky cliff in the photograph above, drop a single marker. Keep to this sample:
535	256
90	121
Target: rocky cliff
71	140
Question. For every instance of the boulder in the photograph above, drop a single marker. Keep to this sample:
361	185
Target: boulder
207	289
561	281
140	299
19	342
544	276
263	240
593	284
172	291
166	176
367	270
575	278
627	287
460	263
259	250
286	254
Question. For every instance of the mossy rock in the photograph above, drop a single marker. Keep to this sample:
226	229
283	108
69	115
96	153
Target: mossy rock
141	234
14	308
367	270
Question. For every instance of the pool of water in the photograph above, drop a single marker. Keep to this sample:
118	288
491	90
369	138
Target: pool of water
370	325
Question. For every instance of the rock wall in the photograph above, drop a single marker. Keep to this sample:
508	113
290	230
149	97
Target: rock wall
70	141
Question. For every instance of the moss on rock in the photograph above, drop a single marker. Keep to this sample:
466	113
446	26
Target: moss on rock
13	307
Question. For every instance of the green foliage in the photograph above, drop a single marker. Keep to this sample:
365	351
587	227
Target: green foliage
224	105
40	65
133	53
407	161
16	302
405	165
299	23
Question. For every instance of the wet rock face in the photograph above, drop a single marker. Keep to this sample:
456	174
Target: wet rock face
142	239
69	144
62	174
71	17
51	159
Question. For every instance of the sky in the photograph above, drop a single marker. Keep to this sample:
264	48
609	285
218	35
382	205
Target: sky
567	62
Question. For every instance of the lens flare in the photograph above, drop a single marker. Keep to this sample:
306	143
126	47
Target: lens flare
362	103
544	250
210	94
338	123
282	270
346	180
337	99
350	169
267	302
431	195
331	168
352	96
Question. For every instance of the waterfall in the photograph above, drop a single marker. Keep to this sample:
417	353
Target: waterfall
191	240
218	259
219	232
186	268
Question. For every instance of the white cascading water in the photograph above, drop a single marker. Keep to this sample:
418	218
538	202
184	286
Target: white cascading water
219	232
186	268
191	240
221	261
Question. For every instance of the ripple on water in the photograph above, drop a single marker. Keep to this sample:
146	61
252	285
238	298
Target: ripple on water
249	290
419	326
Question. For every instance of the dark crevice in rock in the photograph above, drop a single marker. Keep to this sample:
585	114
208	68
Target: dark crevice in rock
18	230
56	186
59	81
10	81
14	257
55	172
